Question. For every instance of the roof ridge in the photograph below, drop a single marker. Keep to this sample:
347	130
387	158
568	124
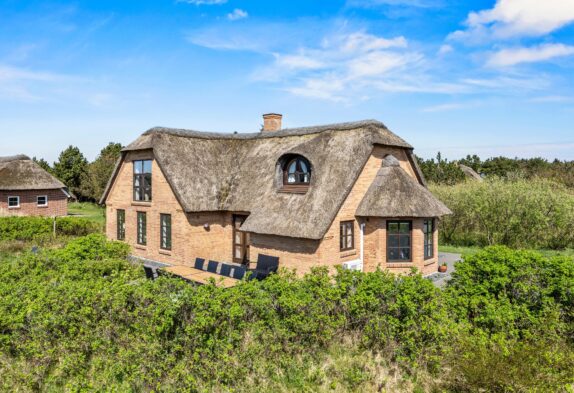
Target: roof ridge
17	157
261	135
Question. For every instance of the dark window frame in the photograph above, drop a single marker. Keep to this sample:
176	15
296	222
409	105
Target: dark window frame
141	229
145	182
345	235
299	173
17	197
165	243
399	235
38	201
120	224
245	239
428	242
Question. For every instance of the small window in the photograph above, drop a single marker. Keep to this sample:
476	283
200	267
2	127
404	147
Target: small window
42	200
347	235
142	228
165	231
13	202
142	180
297	171
121	222
428	230
399	241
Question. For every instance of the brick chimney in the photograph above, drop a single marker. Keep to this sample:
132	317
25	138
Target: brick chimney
271	122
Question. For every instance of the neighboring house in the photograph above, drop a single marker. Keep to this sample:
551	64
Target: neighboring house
348	193
28	190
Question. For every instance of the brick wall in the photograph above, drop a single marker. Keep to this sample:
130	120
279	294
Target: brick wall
57	203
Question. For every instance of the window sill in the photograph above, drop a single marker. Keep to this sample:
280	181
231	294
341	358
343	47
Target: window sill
13	207
302	189
42	206
146	204
430	261
392	265
165	252
140	247
348	253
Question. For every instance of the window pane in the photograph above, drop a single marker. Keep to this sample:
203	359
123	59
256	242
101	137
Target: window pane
393	227
291	178
147	180
238	252
405	241
147	166
137	167
393	241
405	254
303	166
393	254
405	227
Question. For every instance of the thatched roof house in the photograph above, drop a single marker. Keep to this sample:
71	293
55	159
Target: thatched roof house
27	189
221	175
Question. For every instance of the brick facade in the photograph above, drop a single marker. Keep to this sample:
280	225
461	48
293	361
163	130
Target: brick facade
209	235
57	203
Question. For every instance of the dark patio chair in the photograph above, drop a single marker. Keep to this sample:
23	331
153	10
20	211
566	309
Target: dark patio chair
266	265
199	262
212	266
226	270
149	273
238	272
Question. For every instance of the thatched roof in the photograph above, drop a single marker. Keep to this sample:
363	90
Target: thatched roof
239	172
394	193
21	173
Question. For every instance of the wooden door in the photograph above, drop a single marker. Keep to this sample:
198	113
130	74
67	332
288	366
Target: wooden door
240	241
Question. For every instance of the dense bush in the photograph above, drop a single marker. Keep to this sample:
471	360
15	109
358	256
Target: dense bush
517	213
41	228
82	318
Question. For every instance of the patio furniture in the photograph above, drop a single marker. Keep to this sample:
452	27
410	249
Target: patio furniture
226	270
238	272
212	266
149	273
266	265
199	262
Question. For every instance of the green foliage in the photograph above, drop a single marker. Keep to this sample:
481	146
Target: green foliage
71	168
100	171
43	164
42	228
518	308
441	171
519	213
83	318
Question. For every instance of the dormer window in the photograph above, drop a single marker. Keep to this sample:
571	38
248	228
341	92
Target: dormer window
297	172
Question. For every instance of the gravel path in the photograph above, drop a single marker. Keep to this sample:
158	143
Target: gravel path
440	279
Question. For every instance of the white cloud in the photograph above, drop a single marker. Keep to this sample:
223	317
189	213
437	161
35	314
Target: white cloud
513	56
203	2
444	107
444	49
237	14
514	18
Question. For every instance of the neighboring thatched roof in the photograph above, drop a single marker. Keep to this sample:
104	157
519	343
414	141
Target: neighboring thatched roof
21	173
470	173
394	193
239	172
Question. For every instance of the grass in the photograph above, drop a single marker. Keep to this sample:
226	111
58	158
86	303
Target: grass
471	250
91	211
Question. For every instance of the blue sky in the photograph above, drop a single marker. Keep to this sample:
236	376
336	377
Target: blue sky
485	77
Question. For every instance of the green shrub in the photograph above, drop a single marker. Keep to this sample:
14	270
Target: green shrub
42	228
518	213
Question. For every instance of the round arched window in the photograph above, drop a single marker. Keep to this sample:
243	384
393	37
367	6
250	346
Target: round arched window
297	171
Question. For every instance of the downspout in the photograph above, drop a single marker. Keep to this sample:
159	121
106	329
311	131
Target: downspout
362	245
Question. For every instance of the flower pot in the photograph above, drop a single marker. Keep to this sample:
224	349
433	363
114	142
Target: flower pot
442	268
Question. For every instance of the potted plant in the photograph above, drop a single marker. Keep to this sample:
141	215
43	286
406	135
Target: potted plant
442	268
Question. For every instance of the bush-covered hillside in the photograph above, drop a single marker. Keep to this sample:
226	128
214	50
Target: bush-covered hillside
533	213
82	318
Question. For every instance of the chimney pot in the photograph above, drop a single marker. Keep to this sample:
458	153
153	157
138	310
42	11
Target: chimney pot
271	122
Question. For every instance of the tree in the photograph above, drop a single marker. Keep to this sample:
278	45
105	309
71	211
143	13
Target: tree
43	164
100	170
71	168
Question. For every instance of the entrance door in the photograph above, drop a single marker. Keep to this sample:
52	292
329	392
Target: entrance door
240	241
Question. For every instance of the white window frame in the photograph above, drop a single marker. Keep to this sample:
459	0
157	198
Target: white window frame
13	207
38	203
